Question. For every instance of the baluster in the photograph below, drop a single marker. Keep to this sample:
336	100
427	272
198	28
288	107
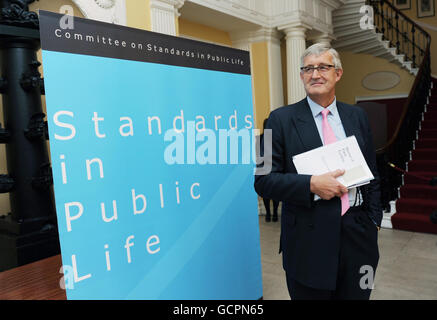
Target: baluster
406	39
404	50
423	45
421	48
382	20
413	30
387	10
387	23
387	27
377	16
397	33
392	40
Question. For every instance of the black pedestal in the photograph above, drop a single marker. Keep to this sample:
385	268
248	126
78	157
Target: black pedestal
29	232
25	247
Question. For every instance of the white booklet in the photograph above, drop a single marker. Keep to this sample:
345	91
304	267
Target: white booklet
344	154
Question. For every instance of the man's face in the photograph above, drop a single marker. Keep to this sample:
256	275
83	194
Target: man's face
320	84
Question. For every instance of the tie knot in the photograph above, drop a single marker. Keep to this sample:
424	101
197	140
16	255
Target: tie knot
325	112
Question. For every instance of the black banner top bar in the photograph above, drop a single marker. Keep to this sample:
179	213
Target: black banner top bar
101	39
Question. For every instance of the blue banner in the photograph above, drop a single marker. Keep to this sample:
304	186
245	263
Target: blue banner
152	199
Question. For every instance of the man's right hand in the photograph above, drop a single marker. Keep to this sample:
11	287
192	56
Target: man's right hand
326	185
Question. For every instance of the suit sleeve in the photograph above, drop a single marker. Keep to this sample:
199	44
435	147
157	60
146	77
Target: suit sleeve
278	184
372	194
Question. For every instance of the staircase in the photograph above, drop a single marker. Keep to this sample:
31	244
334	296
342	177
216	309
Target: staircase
417	198
350	36
413	147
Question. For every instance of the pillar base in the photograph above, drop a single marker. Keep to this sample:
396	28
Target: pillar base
21	248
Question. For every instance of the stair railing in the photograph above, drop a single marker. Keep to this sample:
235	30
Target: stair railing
412	41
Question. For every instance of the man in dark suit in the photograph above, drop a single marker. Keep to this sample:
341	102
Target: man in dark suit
328	233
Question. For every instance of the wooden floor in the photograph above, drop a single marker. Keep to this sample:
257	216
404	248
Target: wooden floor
35	281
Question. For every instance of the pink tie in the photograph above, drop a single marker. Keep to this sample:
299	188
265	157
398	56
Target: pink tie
329	137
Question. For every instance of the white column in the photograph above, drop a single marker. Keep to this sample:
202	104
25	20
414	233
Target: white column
275	69
324	38
163	15
295	38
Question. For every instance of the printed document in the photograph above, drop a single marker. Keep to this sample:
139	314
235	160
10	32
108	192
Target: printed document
344	154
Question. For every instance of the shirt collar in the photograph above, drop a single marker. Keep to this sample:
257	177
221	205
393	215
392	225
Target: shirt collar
316	109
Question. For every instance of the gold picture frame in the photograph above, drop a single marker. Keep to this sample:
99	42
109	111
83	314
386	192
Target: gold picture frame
425	8
402	4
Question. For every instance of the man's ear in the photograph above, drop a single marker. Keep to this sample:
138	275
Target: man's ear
339	73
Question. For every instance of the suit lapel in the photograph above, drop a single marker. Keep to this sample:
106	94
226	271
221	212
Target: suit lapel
306	126
307	129
351	127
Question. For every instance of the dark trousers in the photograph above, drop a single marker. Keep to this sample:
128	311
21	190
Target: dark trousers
267	206
358	260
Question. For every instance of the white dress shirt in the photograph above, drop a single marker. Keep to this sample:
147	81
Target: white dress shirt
336	125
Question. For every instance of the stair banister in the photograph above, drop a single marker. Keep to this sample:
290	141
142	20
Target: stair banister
397	149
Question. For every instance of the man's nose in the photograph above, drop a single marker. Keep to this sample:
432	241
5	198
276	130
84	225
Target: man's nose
316	73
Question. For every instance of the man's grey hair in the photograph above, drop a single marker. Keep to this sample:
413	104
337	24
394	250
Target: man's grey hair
318	49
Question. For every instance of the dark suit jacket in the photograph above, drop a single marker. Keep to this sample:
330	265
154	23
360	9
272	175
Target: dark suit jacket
310	230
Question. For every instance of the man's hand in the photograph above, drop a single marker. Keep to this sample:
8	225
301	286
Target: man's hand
326	185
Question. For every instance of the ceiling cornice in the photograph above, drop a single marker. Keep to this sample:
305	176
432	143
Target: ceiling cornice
261	13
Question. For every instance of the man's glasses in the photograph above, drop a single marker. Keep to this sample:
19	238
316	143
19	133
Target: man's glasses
322	68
